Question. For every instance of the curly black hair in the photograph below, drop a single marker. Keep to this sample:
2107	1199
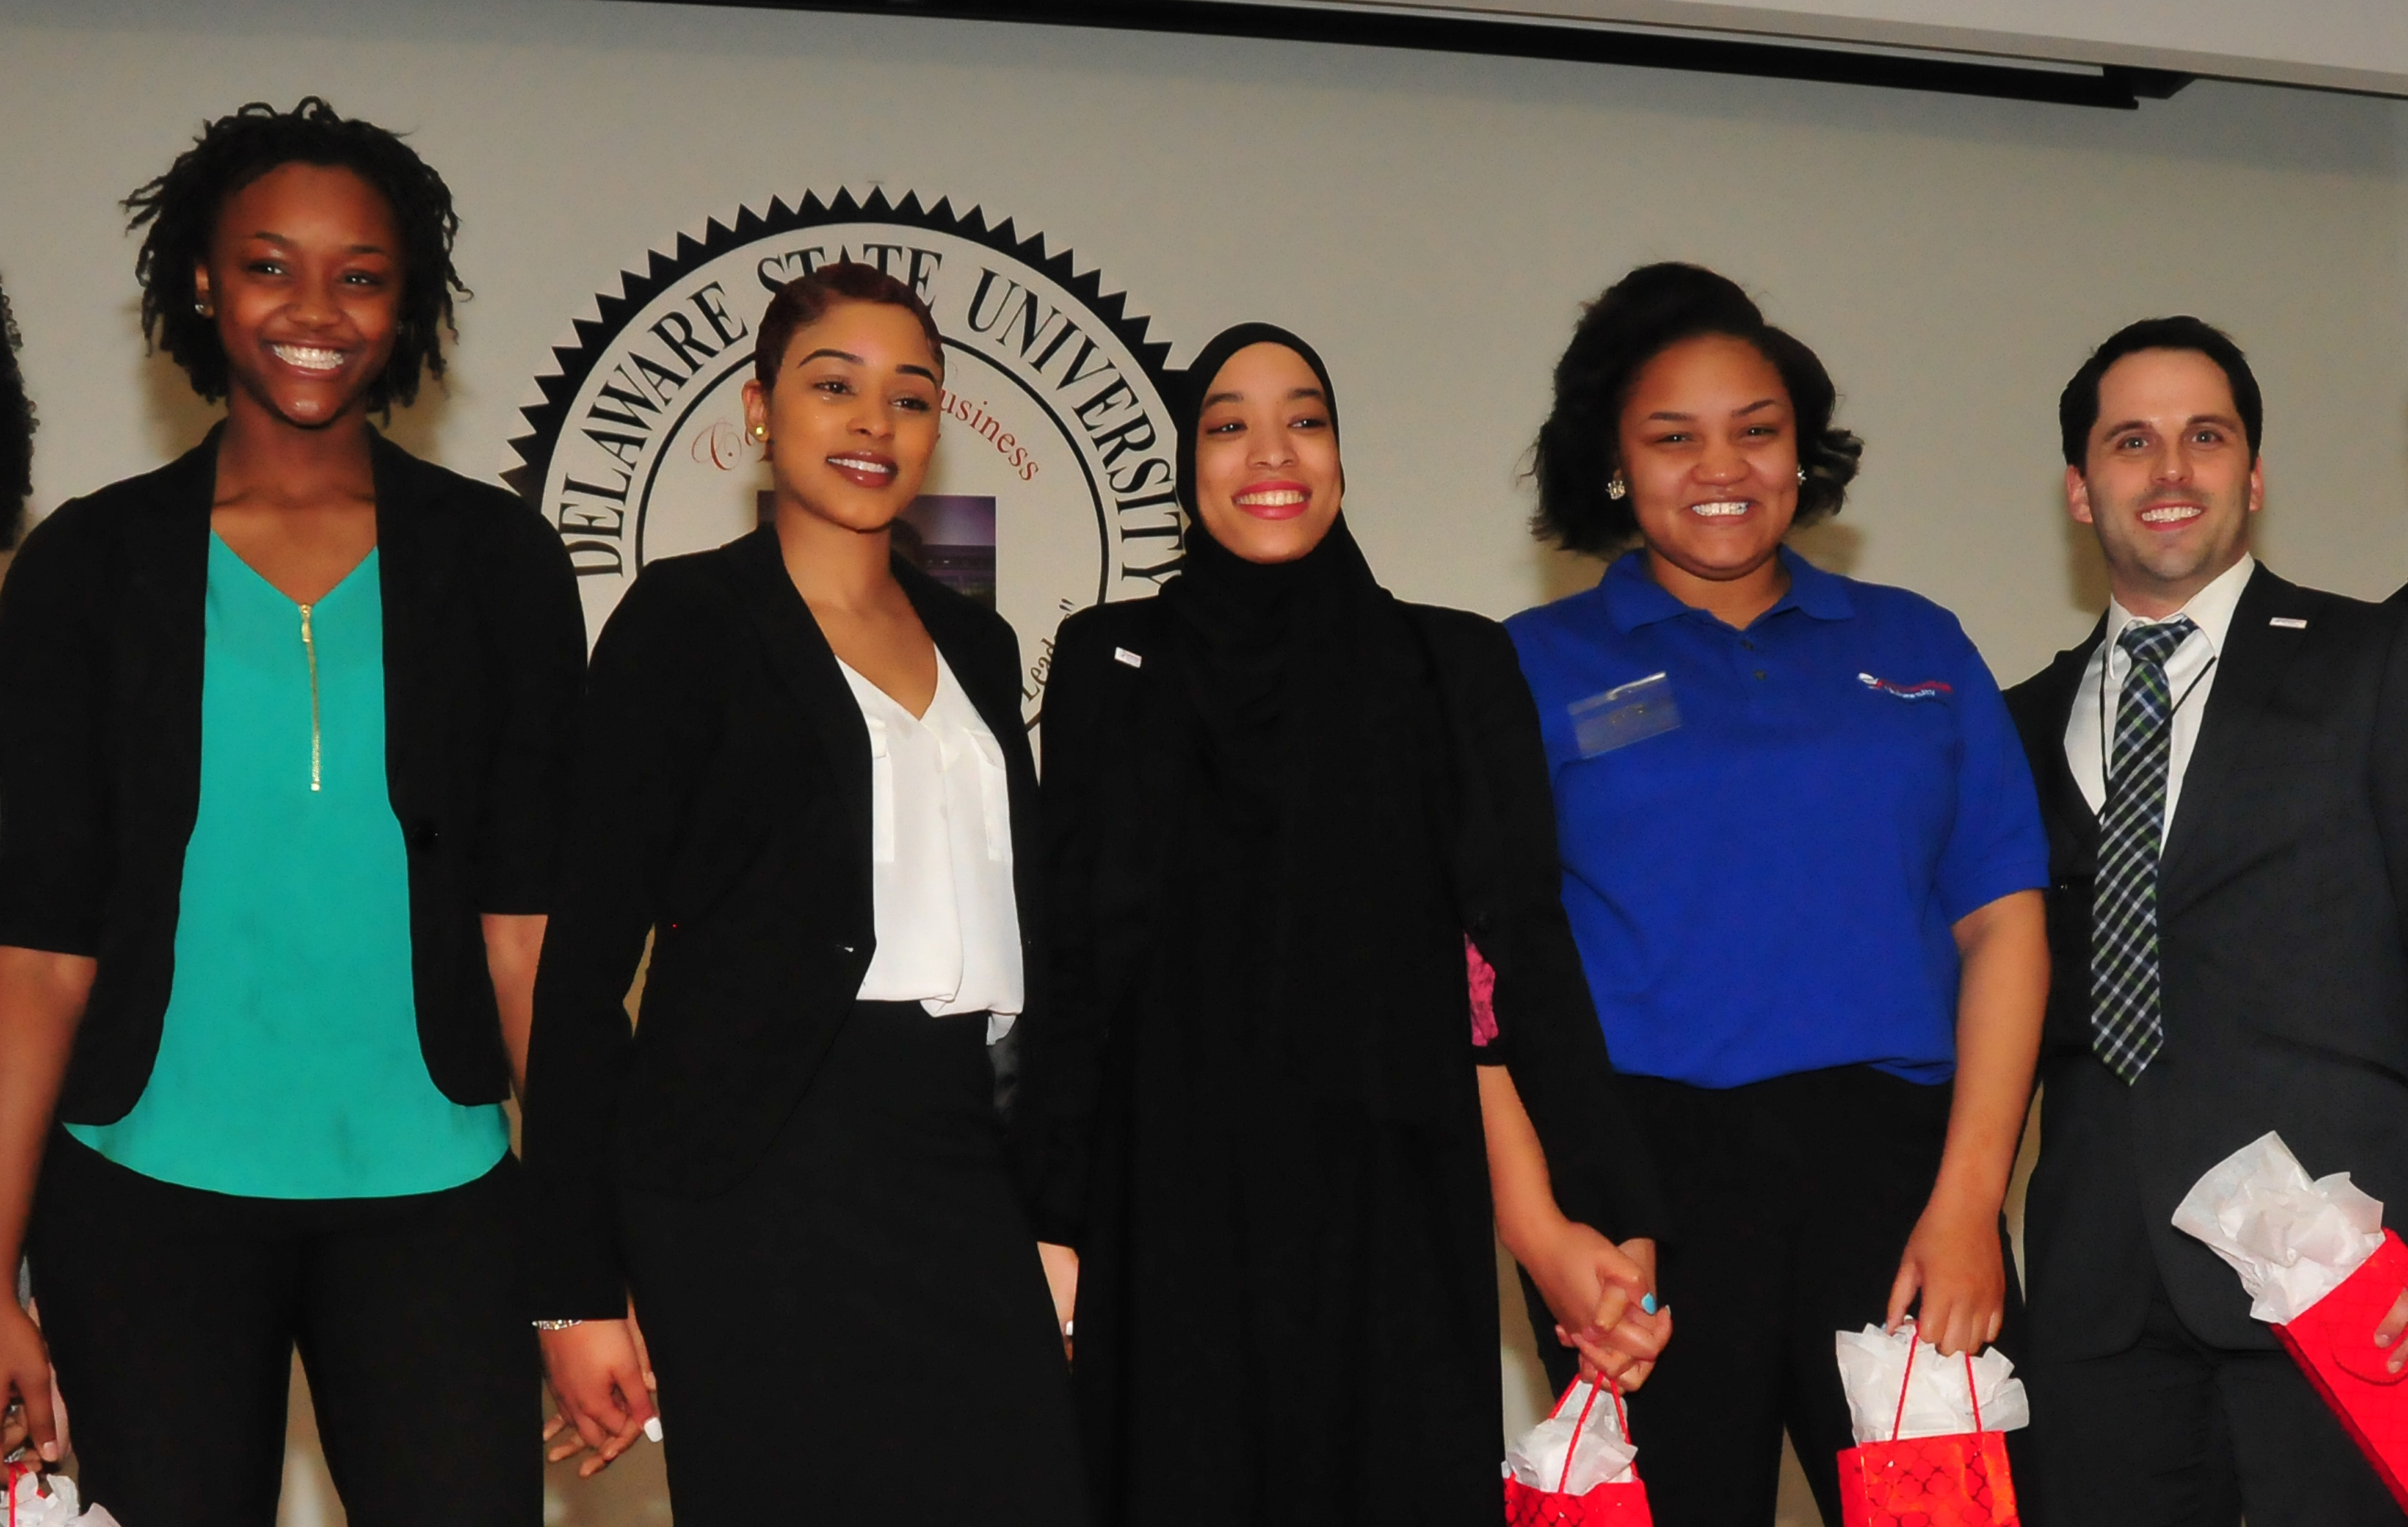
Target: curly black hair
181	209
16	430
1638	318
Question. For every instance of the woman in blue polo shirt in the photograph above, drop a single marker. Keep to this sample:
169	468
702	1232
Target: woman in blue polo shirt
1801	857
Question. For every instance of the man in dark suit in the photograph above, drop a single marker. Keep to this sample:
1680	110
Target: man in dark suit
2223	765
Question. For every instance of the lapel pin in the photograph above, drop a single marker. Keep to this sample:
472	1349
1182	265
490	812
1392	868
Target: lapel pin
2288	623
1122	654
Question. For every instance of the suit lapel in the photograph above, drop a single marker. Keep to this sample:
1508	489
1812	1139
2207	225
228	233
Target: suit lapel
942	619
2072	826
417	550
167	596
2249	665
804	662
996	696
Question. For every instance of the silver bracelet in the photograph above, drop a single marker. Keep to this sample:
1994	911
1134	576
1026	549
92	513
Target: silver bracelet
556	1325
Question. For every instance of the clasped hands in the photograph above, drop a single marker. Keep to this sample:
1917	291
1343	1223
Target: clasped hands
602	1379
1598	1292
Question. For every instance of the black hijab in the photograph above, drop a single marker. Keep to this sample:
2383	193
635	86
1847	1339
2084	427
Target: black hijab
1248	632
1298	751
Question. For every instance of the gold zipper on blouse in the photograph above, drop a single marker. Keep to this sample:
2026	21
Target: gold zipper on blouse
310	647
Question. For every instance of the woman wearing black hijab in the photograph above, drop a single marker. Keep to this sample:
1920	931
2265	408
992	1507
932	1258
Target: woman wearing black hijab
1277	800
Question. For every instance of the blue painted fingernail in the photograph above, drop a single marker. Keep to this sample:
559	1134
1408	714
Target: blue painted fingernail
1647	1303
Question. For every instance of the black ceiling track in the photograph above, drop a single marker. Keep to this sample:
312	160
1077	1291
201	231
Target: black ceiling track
2115	86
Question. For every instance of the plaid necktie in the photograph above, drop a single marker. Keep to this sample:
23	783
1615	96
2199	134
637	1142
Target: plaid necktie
2127	1021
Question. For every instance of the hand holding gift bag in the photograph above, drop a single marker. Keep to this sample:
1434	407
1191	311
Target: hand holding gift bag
2323	1272
1923	1456
1568	1470
48	1500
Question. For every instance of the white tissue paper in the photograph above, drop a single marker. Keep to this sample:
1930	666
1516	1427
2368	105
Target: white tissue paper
1939	1401
61	1507
1603	1456
2291	1240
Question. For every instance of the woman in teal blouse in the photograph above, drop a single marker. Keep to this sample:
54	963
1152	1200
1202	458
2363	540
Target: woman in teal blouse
288	1061
285	719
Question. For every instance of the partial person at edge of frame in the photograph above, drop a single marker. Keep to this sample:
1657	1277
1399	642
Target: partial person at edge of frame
794	1163
276	847
1803	858
2223	766
1277	798
17	424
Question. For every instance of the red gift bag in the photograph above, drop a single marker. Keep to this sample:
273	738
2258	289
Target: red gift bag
1607	1506
1950	1481
2333	1342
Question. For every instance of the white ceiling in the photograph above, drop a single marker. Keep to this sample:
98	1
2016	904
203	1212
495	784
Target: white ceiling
2358	45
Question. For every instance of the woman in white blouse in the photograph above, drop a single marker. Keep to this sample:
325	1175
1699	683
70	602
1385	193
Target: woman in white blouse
805	776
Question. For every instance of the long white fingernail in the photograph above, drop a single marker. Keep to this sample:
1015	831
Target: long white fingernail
652	1429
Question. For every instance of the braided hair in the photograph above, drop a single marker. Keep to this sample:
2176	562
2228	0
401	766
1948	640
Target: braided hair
180	211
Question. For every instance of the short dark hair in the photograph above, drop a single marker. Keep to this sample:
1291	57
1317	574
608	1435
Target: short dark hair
16	430
803	301
181	208
2077	406
1637	318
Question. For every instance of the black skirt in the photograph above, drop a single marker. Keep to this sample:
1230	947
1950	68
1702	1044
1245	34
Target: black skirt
860	1331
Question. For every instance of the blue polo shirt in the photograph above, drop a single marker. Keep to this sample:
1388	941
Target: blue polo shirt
1768	834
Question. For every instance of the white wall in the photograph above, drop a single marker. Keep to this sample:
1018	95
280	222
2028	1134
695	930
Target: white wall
1433	222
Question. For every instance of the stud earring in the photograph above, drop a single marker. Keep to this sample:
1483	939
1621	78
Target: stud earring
202	308
1801	474
1616	489
761	433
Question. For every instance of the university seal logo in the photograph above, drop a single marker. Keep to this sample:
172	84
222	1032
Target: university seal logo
1052	484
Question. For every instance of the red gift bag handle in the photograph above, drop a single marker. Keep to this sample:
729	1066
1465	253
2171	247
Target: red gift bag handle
1897	1422
1620	1415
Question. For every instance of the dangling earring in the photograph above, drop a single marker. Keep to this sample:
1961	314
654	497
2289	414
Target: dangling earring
1616	489
1801	474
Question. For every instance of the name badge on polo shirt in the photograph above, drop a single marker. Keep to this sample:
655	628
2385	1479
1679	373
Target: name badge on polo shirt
1624	714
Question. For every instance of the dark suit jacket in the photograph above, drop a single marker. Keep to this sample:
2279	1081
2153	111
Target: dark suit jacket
2286	980
722	805
101	660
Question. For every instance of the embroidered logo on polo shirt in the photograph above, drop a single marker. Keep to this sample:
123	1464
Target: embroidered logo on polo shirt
1930	688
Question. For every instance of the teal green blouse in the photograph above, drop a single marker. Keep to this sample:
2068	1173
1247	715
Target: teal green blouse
289	1066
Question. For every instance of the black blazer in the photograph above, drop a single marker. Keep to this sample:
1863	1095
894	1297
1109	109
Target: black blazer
2284	956
101	638
1397	959
722	805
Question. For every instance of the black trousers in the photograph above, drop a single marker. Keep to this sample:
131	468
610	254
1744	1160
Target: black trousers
2174	1433
859	1332
172	1315
1791	1200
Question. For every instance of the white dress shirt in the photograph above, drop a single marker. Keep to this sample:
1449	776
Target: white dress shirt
2190	674
940	857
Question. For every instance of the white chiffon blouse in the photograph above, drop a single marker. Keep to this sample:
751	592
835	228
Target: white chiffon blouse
948	924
